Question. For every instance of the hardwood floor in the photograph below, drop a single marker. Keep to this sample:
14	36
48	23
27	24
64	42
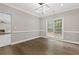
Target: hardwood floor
41	46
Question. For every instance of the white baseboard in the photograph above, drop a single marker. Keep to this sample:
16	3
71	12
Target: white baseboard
64	40
69	41
43	36
24	40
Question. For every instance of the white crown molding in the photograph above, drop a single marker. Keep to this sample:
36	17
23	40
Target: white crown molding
9	5
34	14
62	11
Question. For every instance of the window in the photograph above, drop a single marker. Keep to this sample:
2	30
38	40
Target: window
54	28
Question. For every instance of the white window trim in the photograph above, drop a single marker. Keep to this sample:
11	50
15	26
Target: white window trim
62	26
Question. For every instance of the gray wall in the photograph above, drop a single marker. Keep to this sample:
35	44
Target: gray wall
71	24
24	25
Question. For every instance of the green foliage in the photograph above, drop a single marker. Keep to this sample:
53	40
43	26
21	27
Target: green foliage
57	25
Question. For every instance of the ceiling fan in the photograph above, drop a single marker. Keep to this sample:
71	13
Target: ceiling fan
42	5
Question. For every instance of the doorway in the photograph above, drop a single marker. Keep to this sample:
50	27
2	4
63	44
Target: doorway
55	28
5	29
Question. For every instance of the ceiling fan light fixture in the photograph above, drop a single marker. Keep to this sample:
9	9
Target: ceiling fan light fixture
41	3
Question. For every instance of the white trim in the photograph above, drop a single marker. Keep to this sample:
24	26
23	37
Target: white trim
25	31
35	14
59	39
68	41
44	36
62	26
24	40
20	9
46	27
72	31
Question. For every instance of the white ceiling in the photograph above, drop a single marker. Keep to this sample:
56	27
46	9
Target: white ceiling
49	9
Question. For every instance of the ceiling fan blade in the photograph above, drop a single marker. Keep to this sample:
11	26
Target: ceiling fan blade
42	6
38	8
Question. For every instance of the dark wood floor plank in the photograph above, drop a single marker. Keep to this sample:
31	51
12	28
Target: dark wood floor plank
41	46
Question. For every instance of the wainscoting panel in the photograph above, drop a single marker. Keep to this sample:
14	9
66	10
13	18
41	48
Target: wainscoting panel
71	36
24	35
